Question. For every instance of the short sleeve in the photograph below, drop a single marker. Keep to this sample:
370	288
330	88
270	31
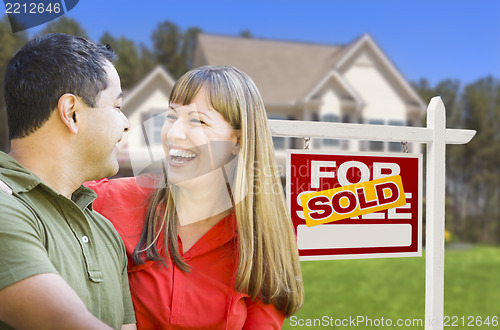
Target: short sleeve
262	316
22	251
127	299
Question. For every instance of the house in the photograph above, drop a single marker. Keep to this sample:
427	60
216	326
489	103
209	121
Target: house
354	83
145	106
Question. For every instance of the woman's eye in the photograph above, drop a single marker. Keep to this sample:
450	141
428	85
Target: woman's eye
172	117
197	121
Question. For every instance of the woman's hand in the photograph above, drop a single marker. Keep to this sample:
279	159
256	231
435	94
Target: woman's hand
5	188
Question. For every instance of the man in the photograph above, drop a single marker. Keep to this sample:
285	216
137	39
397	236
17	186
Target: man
62	265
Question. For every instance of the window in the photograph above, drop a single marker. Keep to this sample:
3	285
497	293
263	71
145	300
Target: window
153	122
279	142
376	145
331	118
158	121
383	145
395	146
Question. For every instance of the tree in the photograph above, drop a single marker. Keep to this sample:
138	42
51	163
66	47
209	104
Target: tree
188	47
166	45
11	43
128	64
148	61
448	90
65	25
174	48
481	216
472	170
246	33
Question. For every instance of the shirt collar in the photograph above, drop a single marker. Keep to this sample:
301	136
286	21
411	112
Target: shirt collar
224	231
21	180
18	178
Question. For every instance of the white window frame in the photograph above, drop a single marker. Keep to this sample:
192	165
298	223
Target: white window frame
158	115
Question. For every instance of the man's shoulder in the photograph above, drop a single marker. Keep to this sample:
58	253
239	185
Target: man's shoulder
14	175
18	215
13	203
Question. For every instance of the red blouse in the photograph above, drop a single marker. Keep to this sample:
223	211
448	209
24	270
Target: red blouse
167	297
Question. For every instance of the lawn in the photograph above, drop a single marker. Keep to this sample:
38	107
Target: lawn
393	288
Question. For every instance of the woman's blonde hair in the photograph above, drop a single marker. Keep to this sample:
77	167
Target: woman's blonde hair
268	258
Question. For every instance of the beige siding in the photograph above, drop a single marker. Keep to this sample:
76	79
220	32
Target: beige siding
381	99
153	98
330	103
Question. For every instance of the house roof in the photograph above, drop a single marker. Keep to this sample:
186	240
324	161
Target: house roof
284	71
289	72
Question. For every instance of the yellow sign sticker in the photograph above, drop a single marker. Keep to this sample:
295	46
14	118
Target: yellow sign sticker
353	200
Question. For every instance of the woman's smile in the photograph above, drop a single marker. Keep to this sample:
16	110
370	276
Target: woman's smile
180	156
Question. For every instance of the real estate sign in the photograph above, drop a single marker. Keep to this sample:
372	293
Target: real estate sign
355	205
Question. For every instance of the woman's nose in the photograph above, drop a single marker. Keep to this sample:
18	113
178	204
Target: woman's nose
177	130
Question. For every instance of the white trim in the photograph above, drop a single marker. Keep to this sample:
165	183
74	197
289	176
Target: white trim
158	71
347	87
367	39
358	43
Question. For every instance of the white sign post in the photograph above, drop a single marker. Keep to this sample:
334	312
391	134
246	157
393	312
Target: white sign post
436	136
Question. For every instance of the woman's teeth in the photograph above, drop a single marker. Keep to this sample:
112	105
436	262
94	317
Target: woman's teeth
181	156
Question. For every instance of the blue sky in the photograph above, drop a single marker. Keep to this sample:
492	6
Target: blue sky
436	39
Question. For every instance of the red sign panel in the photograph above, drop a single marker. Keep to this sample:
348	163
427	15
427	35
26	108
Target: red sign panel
355	205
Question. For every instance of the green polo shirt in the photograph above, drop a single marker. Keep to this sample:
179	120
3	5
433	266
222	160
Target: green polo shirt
42	231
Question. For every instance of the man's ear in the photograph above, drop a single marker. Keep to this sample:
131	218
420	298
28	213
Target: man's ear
68	110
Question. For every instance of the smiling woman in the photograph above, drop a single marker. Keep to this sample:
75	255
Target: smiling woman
197	140
212	246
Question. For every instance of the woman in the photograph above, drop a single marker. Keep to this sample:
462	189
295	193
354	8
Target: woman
216	247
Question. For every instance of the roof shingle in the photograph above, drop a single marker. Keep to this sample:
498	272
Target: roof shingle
283	71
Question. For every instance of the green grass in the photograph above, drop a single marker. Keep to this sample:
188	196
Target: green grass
394	288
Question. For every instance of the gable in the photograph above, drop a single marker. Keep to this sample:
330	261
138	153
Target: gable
378	81
335	92
283	71
151	93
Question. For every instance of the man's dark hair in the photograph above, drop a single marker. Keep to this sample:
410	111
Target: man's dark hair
46	68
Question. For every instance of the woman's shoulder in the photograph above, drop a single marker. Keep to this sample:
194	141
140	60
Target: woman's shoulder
125	187
120	197
123	201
